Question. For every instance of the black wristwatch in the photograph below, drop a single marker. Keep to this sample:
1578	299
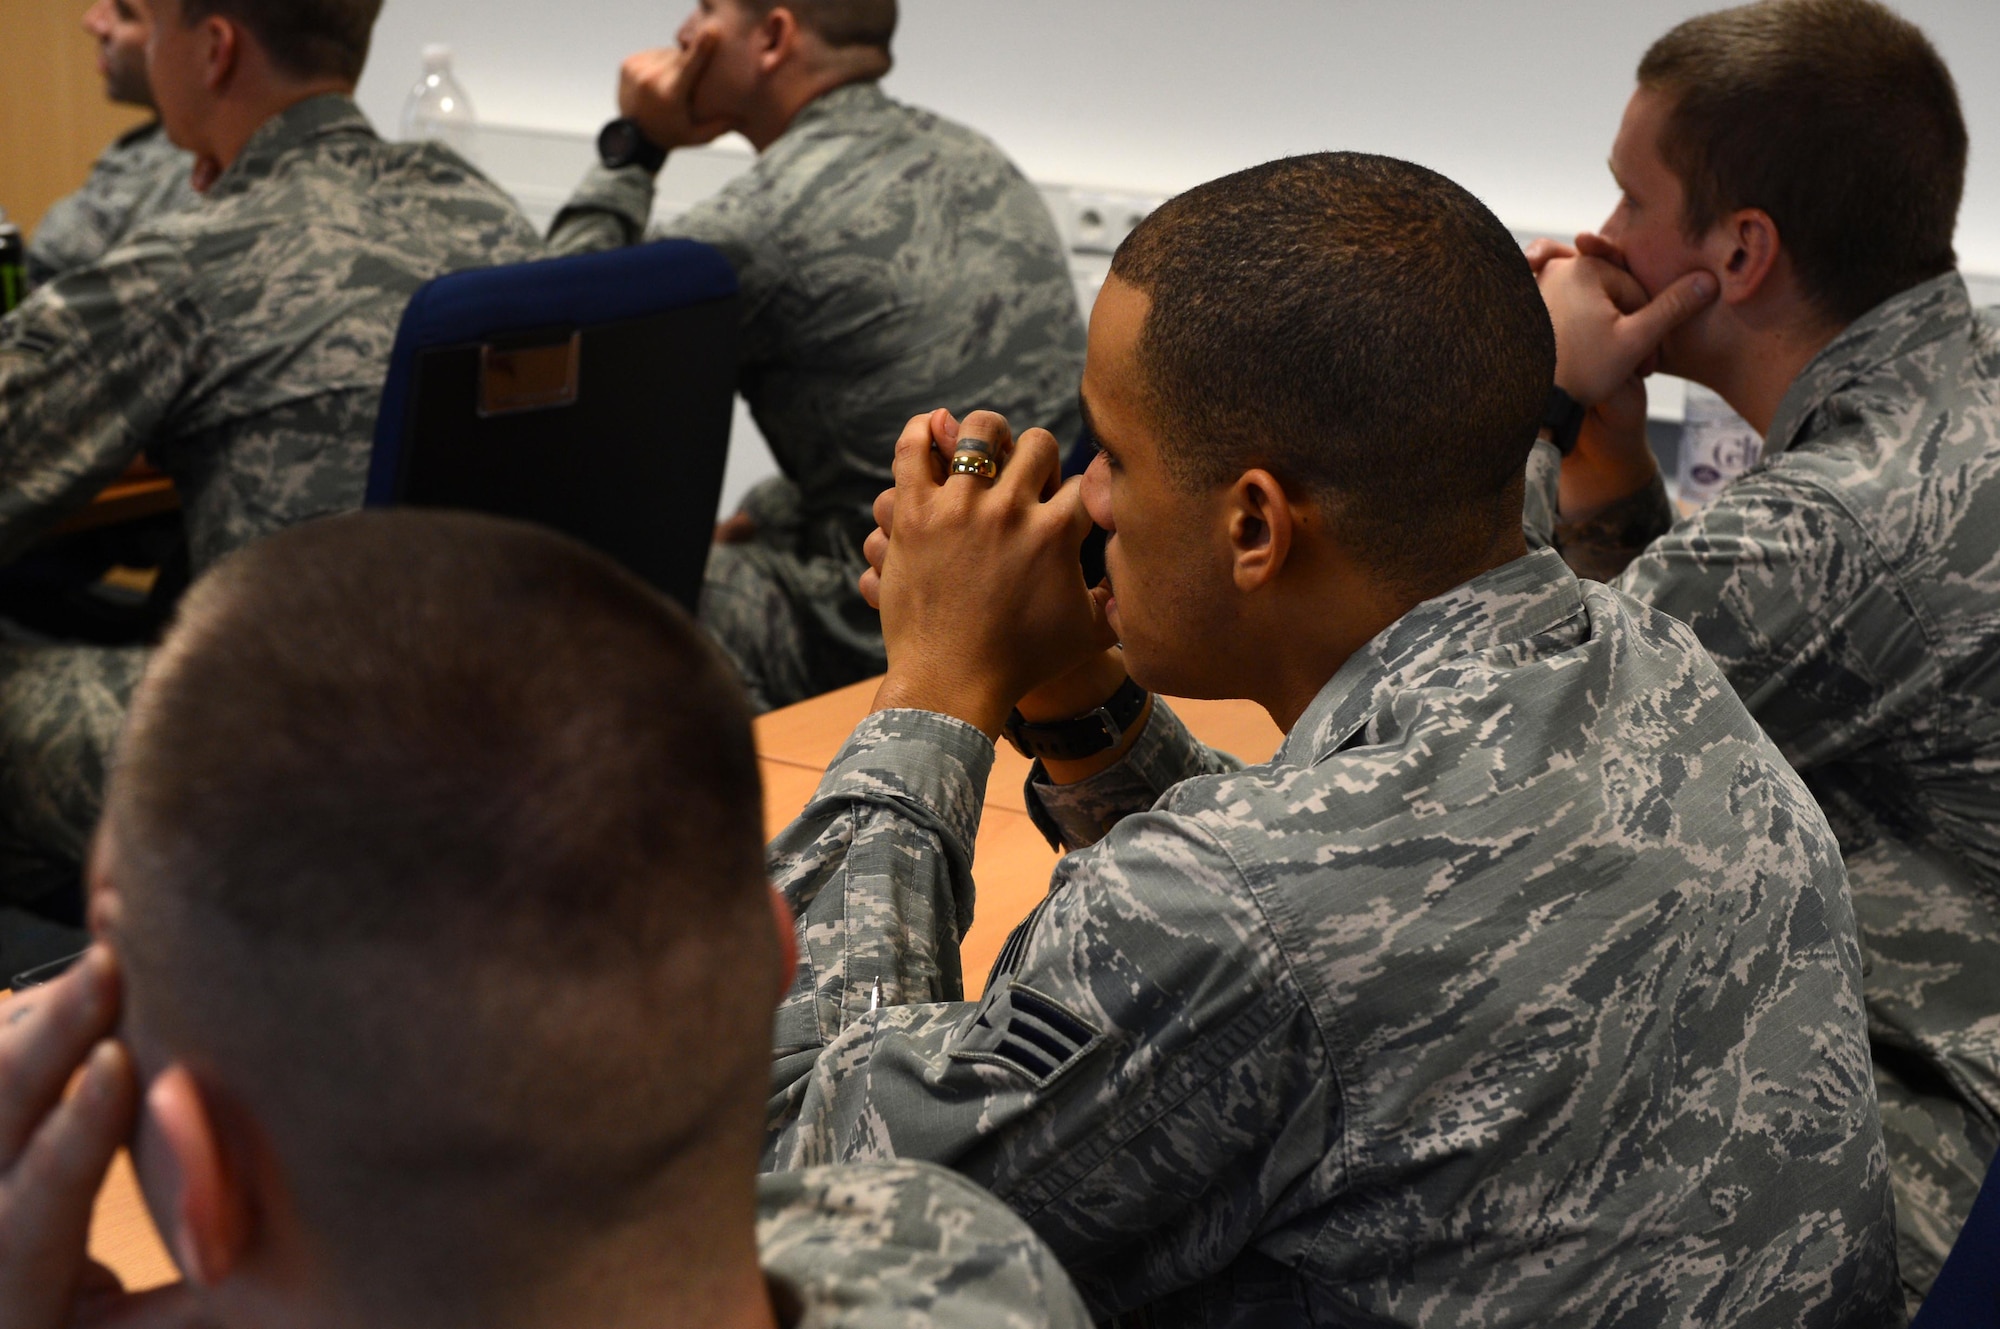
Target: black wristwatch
1082	736
623	143
1563	418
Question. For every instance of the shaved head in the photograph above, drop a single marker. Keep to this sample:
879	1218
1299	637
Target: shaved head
436	842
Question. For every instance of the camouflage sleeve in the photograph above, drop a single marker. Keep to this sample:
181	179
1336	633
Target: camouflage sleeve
1144	1051
90	366
896	1245
1082	813
1604	544
1601	545
140	177
1772	565
74	231
609	210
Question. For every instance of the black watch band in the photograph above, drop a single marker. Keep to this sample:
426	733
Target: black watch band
623	143
1082	736
1563	418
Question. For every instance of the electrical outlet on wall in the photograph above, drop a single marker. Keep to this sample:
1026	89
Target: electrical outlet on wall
1097	221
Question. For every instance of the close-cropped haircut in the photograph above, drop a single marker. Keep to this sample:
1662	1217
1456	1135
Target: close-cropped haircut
839	23
306	38
439	842
1364	329
1836	117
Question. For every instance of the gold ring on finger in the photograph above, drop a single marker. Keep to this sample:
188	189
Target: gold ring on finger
974	457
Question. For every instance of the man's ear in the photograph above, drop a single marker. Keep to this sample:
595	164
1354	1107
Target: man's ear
777	38
1262	524
222	48
1745	247
208	1226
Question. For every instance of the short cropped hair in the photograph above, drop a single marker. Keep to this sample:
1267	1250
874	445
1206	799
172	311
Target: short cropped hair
439	841
839	23
1836	117
305	38
1362	328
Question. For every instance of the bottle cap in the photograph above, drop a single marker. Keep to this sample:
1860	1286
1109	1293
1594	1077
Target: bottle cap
436	56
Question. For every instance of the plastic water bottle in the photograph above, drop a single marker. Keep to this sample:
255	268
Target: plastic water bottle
1717	445
437	108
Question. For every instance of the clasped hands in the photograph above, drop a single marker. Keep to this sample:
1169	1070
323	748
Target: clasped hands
55	1150
980	582
1608	338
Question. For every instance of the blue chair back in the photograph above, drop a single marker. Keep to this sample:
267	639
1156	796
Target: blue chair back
1966	1294
591	394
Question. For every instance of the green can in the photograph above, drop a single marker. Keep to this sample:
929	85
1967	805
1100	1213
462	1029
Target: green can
13	267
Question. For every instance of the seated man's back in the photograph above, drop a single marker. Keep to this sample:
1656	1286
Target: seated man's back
242	345
1846	584
1521	987
890	260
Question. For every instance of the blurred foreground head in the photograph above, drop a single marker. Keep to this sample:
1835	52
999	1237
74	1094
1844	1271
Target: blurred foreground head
433	857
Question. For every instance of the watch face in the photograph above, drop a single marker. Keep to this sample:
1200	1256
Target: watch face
617	145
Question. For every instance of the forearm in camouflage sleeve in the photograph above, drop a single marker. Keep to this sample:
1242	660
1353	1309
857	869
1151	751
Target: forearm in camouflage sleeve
878	871
1074	815
608	211
89	367
1601	545
1142	1084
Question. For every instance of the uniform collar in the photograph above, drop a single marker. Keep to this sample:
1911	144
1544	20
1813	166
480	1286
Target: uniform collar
855	98
140	133
315	117
1893	328
1515	601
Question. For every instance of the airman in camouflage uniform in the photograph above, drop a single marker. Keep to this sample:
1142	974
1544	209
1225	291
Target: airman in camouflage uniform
139	177
906	1246
890	261
1847	587
241	346
1520	987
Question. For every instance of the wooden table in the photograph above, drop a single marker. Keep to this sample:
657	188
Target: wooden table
1011	864
139	492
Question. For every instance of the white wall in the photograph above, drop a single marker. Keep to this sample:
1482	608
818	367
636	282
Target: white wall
1515	99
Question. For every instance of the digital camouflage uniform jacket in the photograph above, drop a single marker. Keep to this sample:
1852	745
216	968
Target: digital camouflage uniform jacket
1519	988
891	262
1849	586
240	344
140	177
905	1246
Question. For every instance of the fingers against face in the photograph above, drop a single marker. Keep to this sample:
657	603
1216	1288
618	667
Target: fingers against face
57	1150
54	1185
1035	466
44	1033
1540	252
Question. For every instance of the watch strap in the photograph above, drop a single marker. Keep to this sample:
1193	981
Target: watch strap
1081	736
1563	418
